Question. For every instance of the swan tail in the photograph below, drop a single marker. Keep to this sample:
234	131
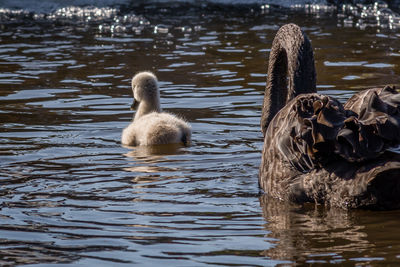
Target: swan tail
383	189
162	134
372	185
166	133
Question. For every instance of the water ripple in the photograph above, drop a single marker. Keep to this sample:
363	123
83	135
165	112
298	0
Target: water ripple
70	193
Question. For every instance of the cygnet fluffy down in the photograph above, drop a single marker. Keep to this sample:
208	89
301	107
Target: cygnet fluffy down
151	126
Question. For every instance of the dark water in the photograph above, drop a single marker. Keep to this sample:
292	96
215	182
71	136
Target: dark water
70	193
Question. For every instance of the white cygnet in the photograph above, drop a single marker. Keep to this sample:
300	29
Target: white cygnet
151	126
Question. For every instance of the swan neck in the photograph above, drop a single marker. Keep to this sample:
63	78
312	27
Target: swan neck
146	107
291	71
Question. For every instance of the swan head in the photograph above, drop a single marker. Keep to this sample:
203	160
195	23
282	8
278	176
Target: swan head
145	90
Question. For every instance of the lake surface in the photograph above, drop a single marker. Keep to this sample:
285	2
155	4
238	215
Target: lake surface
71	194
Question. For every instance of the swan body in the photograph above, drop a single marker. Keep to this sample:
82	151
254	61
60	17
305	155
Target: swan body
150	125
318	150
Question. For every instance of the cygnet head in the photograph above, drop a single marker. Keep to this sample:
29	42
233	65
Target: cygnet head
146	95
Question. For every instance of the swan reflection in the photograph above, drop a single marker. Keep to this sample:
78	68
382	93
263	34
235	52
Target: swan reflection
152	160
308	232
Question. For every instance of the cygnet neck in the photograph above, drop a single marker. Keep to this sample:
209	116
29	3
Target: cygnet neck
147	106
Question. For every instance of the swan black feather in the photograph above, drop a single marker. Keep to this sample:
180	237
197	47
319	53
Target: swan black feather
316	149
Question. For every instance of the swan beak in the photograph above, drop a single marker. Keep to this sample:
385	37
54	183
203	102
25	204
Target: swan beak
134	104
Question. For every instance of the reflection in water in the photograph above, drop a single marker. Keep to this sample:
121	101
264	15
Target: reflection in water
312	234
144	152
149	159
301	231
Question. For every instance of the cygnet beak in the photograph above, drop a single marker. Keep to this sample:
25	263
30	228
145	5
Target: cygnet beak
134	104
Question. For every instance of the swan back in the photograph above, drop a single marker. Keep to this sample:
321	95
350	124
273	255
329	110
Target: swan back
317	150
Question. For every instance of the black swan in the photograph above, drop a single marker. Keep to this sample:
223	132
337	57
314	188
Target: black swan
318	150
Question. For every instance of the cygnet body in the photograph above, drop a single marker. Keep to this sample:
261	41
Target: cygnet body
150	125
